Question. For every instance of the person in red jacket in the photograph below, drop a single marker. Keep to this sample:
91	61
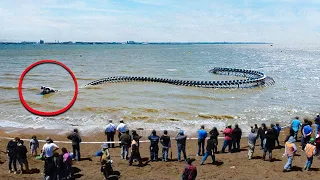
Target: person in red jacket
227	139
190	171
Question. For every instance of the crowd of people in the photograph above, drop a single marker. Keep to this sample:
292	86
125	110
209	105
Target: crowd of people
60	165
56	166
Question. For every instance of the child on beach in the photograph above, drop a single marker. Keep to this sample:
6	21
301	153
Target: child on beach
311	151
34	145
290	150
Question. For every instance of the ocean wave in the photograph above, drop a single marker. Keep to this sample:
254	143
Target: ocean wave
11	102
11	78
171	70
92	87
197	97
99	109
89	79
16	87
219	117
10	74
34	74
9	87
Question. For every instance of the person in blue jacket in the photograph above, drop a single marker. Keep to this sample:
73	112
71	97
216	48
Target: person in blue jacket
278	129
202	135
154	147
295	125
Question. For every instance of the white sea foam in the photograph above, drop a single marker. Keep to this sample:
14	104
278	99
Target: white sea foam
171	69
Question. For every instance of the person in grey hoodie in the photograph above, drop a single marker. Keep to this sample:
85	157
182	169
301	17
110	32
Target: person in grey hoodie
252	138
76	140
181	143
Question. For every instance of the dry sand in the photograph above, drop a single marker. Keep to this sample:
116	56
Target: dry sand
230	165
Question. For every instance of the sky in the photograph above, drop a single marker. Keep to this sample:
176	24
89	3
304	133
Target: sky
276	21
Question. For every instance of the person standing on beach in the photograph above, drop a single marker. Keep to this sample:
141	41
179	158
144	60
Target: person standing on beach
47	152
181	143
305	123
295	125
317	123
278	129
256	129
76	140
202	135
166	143
135	153
154	148
269	142
125	139
12	154
307	131
190	171
236	137
136	137
22	156
262	133
252	138
211	143
121	128
34	145
215	133
66	164
110	131
310	152
227	139
289	151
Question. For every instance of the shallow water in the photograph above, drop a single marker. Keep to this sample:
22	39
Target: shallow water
153	105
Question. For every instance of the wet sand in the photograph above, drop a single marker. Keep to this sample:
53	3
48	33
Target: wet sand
230	165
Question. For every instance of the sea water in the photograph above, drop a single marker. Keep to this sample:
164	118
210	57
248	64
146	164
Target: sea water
146	105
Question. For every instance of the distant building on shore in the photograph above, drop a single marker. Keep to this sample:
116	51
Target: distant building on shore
28	42
41	41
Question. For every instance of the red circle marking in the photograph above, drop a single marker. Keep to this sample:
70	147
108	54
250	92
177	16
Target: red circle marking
52	113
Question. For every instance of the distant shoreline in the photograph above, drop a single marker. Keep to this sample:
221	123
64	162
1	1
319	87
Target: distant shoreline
128	42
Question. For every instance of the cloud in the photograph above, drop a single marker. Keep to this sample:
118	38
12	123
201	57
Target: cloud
160	21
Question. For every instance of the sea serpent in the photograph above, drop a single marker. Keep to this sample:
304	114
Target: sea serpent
252	79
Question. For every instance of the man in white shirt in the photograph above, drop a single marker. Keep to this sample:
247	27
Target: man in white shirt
47	152
110	131
121	128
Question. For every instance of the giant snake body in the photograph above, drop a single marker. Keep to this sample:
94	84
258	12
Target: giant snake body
252	79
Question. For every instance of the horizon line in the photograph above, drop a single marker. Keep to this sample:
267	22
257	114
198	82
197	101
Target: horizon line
134	42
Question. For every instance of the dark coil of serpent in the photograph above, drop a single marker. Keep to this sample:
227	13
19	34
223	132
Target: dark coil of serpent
252	79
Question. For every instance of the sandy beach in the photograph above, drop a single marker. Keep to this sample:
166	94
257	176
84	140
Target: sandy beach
230	165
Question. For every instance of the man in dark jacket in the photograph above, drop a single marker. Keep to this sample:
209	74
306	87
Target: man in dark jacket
166	143
181	143
22	156
154	148
215	133
125	139
269	142
236	137
76	140
12	154
261	133
211	144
